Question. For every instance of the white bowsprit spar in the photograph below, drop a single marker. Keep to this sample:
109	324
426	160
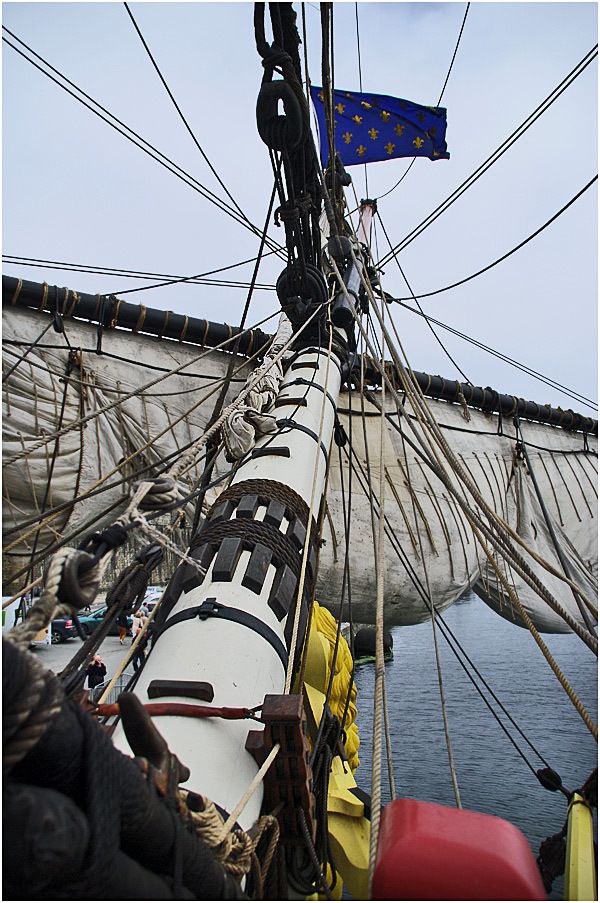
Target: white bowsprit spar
240	627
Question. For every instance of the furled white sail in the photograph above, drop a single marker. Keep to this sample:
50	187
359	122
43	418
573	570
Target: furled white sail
429	530
430	545
152	424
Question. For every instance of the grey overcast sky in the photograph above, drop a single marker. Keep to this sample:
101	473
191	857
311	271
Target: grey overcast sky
76	191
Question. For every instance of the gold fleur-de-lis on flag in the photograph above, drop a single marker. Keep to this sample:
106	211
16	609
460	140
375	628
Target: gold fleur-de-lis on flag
321	96
357	119
418	143
433	130
361	150
385	115
373	133
421	117
366	105
389	147
347	136
340	107
399	128
349	96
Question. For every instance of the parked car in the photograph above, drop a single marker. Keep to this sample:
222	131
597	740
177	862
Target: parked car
63	629
152	596
93	621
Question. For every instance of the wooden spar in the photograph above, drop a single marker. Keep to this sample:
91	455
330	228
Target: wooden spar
170	325
252	548
368	209
110	312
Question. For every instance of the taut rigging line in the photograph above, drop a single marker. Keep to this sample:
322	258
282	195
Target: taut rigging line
478	524
121	271
495	155
145	146
447	632
406	171
183	119
546	380
200	279
576	396
499	259
498	530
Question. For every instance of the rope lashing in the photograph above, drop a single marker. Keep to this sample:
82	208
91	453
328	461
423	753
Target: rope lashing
552	854
140	320
463	401
237	849
17	292
186	321
42	304
233	850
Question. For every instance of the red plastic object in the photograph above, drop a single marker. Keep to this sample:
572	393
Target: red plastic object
431	852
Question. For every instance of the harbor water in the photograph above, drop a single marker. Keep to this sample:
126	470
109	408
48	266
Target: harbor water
492	777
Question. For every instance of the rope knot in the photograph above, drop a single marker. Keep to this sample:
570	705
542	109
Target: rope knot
161	492
235	850
274	57
111	538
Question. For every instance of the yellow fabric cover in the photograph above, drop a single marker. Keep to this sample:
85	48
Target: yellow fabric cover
324	622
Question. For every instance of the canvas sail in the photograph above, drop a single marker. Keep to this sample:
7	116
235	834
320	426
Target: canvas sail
429	539
152	424
430	528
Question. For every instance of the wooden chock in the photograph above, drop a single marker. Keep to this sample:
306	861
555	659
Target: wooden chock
289	779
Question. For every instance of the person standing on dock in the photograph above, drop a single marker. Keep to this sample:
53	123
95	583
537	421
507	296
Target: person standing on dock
123	627
96	672
139	656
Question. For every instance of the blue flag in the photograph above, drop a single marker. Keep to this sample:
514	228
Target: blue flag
371	127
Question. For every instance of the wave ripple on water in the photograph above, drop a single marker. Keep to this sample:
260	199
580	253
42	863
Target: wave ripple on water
491	775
